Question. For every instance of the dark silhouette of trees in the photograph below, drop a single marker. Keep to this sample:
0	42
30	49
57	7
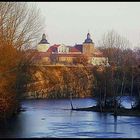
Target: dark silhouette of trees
121	75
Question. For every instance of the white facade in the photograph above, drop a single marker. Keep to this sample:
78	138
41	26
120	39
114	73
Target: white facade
63	49
97	61
43	47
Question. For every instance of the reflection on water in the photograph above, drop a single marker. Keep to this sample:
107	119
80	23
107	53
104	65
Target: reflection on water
53	118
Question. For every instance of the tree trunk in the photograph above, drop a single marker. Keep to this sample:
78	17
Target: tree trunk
132	81
100	101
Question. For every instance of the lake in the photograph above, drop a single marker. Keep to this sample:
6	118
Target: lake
54	119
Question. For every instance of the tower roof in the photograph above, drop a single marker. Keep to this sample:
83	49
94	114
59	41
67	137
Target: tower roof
88	39
43	40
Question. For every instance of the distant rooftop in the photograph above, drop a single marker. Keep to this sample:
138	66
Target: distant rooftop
88	39
43	40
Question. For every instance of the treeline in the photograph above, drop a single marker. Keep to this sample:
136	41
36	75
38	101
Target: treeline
123	75
111	82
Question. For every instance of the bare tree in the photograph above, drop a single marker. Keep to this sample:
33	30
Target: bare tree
115	47
112	45
20	25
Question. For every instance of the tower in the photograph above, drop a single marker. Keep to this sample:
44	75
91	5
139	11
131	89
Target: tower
88	45
43	45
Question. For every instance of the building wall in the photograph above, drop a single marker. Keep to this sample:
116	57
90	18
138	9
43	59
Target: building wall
44	60
63	49
43	47
75	52
65	59
88	48
99	61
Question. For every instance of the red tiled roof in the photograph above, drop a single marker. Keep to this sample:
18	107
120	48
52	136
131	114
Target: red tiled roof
79	47
53	48
76	48
73	49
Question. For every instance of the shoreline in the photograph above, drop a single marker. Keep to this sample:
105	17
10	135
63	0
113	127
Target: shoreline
120	111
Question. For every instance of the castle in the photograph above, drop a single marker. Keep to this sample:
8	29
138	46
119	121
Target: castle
63	54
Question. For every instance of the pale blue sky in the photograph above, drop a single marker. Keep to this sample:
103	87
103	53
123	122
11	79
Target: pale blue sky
69	22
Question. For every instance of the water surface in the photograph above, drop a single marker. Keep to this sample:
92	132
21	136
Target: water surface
54	119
